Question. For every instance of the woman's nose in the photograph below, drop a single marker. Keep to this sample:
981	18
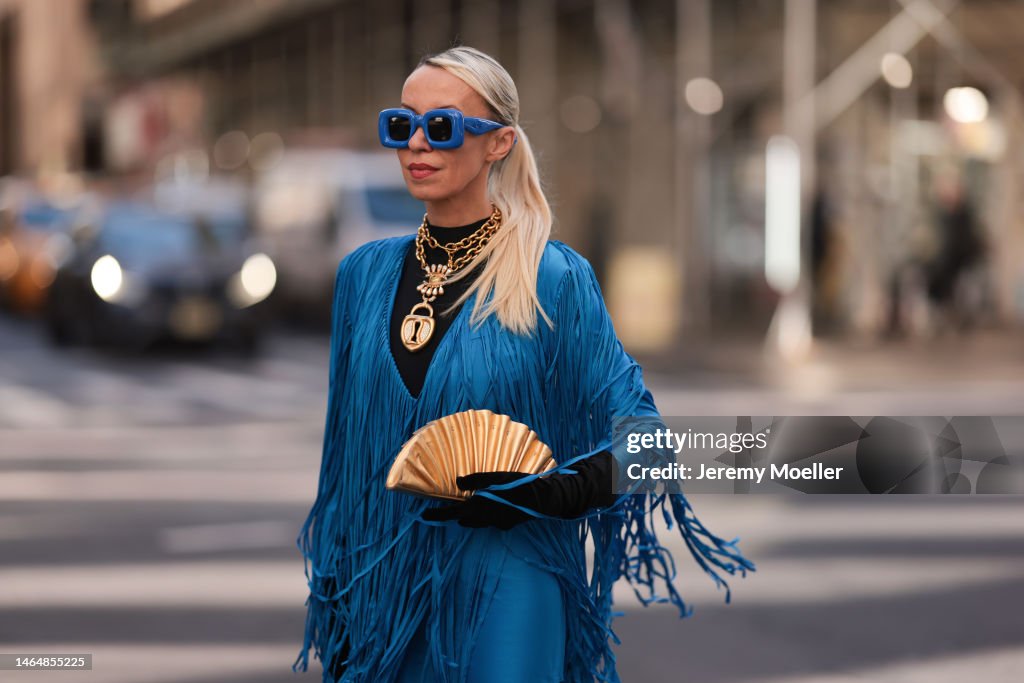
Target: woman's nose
418	141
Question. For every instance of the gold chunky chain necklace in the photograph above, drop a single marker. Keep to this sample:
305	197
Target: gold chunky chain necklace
418	328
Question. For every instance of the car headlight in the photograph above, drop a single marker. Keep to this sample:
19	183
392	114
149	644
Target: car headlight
107	277
254	282
115	285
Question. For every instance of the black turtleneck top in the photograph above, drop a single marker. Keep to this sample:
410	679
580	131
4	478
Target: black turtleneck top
412	365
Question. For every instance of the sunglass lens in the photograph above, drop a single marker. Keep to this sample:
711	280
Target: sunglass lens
399	127
440	128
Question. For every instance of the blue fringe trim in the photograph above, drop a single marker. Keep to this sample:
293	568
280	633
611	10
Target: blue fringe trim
377	572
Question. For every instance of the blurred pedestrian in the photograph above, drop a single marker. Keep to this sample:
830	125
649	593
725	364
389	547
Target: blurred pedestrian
960	249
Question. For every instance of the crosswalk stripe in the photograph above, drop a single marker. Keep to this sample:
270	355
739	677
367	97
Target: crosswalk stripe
129	662
22	405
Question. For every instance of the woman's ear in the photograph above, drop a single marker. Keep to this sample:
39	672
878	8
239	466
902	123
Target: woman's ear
501	143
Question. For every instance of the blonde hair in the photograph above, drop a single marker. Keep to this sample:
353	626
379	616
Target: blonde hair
513	185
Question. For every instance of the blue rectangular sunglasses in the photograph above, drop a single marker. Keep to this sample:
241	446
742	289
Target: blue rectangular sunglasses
444	128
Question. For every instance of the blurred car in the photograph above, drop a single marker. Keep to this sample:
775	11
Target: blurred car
314	206
33	236
222	201
137	275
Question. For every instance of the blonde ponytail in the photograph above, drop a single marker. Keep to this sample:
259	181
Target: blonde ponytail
513	254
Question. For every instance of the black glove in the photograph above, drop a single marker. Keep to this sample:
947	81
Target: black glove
557	495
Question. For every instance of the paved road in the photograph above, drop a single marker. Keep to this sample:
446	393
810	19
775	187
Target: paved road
148	509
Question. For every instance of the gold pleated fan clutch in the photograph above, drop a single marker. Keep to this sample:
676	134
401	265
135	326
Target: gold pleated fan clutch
464	443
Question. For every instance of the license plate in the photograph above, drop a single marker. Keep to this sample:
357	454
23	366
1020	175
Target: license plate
195	317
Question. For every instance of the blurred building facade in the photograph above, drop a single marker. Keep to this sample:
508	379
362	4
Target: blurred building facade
47	69
651	121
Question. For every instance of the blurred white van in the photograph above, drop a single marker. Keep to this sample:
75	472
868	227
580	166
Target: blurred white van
316	205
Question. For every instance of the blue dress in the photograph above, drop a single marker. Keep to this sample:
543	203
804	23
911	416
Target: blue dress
433	601
522	637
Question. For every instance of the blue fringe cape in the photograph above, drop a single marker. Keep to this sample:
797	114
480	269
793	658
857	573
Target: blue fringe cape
375	570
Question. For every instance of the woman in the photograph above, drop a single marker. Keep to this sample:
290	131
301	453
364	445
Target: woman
495	588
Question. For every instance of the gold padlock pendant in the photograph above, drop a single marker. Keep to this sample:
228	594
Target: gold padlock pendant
417	329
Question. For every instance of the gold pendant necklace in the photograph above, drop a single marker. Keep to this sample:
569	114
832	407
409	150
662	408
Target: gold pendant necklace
417	328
